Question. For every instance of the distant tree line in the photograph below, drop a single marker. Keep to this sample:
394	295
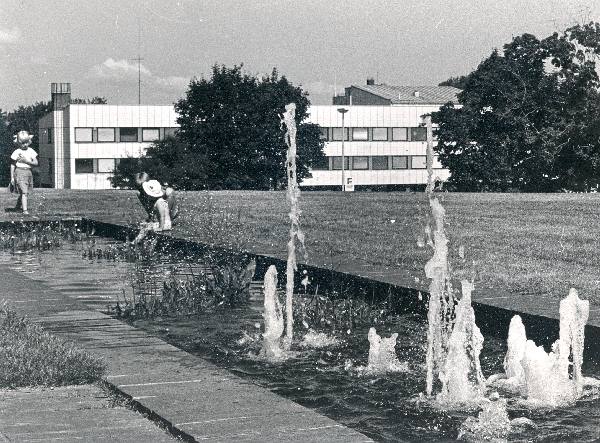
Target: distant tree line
529	117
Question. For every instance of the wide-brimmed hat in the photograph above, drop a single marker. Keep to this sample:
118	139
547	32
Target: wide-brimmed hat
153	188
23	138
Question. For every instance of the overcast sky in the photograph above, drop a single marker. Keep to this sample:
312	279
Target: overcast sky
316	43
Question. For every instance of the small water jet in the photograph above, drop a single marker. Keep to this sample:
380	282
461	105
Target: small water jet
492	424
382	354
548	378
273	317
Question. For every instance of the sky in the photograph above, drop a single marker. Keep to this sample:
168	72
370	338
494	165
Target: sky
321	45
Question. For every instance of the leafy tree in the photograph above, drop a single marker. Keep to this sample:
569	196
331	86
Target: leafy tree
6	142
89	101
457	82
230	134
529	118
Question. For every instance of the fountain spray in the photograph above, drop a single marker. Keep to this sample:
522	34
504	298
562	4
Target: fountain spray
293	196
273	317
440	314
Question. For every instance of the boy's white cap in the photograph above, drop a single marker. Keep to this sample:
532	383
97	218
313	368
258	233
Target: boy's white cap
153	188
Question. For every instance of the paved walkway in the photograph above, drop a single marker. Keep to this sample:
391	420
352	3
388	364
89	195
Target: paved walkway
74	413
193	397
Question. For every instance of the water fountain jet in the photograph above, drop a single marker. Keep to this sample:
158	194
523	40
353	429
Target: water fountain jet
296	235
273	317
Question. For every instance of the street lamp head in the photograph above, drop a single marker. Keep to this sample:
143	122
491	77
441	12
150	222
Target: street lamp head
342	110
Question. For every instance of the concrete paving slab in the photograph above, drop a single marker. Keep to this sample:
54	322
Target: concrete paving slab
73	413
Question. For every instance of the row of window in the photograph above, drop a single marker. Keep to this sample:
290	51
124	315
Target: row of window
416	134
111	135
95	165
375	163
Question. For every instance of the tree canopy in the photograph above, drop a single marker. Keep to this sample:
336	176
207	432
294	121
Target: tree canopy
230	134
529	117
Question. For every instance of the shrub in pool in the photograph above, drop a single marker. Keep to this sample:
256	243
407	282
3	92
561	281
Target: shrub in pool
39	236
30	356
222	281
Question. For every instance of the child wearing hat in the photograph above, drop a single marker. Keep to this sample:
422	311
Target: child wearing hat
160	208
149	202
158	203
22	160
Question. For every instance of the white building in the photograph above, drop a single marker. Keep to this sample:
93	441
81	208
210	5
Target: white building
384	138
384	143
81	144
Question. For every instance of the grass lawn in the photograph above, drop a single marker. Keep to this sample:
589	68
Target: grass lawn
30	356
515	242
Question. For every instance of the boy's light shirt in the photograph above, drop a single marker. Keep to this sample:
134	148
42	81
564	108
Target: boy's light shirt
28	154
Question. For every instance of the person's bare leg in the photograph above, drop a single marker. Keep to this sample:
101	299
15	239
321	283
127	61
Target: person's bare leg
18	205
24	203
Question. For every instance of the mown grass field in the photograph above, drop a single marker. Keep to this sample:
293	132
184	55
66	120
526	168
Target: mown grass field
515	242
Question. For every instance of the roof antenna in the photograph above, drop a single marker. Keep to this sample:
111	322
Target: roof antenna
139	59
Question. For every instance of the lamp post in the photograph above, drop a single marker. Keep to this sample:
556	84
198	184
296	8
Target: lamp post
343	112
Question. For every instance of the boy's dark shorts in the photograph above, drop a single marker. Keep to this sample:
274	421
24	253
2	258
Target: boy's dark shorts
23	180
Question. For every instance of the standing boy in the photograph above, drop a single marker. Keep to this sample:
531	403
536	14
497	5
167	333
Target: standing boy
23	159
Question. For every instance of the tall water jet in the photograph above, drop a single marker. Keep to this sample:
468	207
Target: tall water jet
441	297
462	379
273	316
293	196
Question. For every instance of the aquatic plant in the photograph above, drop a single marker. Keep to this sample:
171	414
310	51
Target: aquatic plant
43	236
224	282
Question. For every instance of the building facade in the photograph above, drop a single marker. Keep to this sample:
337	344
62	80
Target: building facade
81	144
384	140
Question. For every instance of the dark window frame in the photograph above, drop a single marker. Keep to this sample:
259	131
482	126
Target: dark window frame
414	131
346	163
412	157
406	131
346	136
91	140
152	129
78	165
362	128
106	172
379	139
127	128
378	157
106	141
400	156
355	158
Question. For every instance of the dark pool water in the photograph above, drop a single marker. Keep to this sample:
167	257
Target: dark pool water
384	407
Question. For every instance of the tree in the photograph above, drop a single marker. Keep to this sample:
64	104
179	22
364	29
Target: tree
89	101
529	118
230	134
456	82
